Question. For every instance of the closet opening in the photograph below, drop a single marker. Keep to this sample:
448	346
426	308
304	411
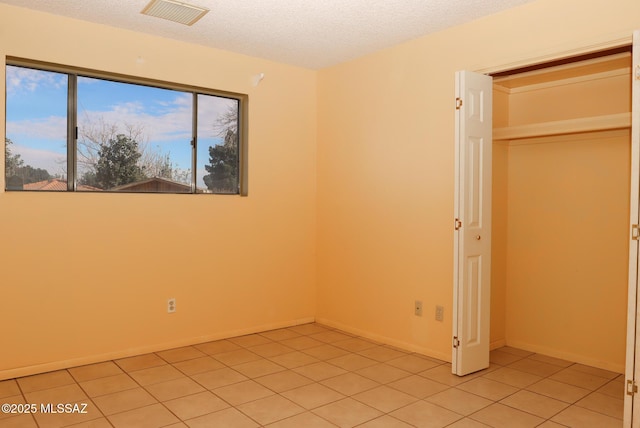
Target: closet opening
560	209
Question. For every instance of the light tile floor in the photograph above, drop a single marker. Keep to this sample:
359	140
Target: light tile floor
314	376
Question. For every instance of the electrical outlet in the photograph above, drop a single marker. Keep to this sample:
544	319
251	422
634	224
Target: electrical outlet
418	308
439	313
171	305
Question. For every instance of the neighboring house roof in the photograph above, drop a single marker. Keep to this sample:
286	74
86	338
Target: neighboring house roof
154	184
55	184
52	184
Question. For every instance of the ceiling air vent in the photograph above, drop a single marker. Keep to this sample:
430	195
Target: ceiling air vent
175	11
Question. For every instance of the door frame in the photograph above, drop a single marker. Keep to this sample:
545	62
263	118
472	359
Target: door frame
632	370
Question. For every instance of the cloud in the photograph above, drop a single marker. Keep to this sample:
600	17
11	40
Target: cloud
163	128
47	128
161	121
209	109
54	162
27	79
170	122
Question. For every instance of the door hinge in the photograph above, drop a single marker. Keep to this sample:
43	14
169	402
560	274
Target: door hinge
458	103
456	341
632	388
457	224
635	232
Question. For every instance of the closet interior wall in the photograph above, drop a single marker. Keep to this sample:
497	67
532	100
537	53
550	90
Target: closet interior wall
561	173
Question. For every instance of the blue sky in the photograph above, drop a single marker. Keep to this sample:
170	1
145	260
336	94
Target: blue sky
36	117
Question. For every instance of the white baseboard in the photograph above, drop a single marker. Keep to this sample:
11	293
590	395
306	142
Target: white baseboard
386	340
130	352
568	356
497	344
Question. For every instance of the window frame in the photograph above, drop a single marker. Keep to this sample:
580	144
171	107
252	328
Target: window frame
73	73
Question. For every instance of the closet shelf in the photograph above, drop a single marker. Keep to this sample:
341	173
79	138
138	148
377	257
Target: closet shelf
560	127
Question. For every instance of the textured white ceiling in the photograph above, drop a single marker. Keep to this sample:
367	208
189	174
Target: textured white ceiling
307	33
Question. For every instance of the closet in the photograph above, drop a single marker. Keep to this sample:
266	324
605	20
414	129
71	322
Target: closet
561	183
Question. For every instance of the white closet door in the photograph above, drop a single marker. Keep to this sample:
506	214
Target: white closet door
632	400
472	236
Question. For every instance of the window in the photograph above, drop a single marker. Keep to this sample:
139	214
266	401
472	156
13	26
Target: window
72	130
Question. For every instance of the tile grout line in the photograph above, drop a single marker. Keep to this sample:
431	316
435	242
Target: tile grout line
350	351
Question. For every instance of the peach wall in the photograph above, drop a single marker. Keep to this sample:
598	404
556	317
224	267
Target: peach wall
86	277
610	95
385	162
567	205
567	246
499	215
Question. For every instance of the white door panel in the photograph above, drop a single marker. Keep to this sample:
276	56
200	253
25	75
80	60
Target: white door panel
632	402
472	241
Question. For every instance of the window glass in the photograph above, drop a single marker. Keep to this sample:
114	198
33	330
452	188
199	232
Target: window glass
36	129
133	138
127	137
217	157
